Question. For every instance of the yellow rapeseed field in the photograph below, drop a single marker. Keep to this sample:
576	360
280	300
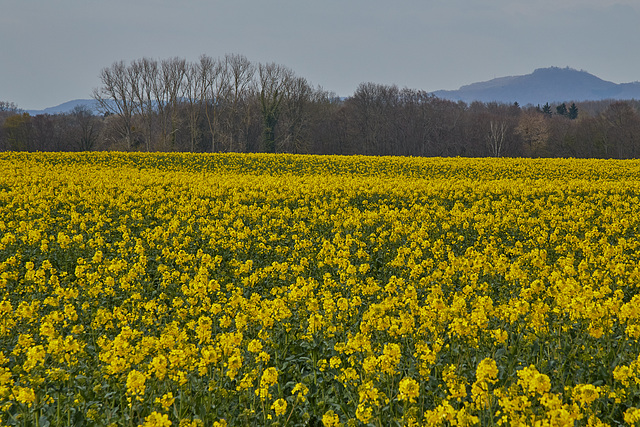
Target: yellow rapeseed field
241	290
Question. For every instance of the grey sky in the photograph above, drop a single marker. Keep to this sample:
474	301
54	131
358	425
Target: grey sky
52	51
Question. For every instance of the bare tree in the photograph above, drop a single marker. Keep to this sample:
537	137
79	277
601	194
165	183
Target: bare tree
9	107
145	73
375	110
212	84
620	133
274	81
87	127
363	103
49	133
496	137
172	72
239	73
296	118
192	94
533	128
115	97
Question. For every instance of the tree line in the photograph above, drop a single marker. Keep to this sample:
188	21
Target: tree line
232	104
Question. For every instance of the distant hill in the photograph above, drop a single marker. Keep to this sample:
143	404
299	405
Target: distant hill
544	85
67	107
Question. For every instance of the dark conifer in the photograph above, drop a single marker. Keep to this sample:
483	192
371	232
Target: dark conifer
561	109
573	111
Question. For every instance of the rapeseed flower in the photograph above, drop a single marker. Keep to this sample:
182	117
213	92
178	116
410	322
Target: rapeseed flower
136	384
279	406
24	395
157	420
409	390
330	419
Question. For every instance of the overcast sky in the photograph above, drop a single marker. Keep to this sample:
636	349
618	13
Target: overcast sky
51	51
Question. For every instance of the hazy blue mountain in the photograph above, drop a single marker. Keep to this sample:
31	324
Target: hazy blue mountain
544	85
67	107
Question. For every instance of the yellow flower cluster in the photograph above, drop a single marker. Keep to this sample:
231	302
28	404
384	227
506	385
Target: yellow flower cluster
192	290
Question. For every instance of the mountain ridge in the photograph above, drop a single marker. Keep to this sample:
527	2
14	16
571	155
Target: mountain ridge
67	107
552	84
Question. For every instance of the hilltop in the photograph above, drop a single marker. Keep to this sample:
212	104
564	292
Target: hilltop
551	84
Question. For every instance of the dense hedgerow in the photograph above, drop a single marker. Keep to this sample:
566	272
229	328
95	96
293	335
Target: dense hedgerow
192	290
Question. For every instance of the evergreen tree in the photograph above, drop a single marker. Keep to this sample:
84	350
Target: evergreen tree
573	111
546	110
561	109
